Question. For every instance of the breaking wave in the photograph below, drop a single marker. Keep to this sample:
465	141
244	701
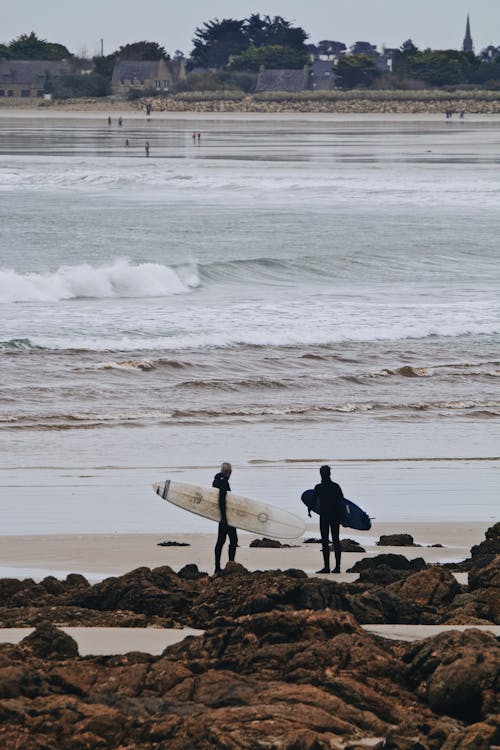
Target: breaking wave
18	345
121	278
307	412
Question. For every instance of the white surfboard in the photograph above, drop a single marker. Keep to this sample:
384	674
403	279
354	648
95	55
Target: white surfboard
242	512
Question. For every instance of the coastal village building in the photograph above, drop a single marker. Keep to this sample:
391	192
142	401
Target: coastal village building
30	78
147	75
467	46
317	76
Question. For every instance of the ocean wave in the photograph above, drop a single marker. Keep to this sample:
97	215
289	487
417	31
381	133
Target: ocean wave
443	371
299	412
141	365
18	345
121	278
243	384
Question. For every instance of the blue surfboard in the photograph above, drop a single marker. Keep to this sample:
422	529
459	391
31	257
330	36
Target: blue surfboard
351	515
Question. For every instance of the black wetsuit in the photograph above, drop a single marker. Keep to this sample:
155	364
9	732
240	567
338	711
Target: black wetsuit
221	482
329	494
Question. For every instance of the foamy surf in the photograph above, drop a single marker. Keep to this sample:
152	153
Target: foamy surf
118	279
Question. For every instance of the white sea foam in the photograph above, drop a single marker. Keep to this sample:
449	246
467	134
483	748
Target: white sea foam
121	278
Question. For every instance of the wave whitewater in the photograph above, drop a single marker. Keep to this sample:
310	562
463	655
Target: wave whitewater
121	278
77	420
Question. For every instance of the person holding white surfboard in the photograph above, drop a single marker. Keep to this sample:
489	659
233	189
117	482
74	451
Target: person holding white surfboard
221	482
330	496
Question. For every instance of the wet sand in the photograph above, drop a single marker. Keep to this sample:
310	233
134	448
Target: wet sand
98	556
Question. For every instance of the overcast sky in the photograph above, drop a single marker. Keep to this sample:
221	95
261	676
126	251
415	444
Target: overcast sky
439	24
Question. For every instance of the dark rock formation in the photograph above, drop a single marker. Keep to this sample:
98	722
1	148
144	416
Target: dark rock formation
481	554
351	545
456	673
347	545
48	642
268	543
387	568
283	680
397	540
283	663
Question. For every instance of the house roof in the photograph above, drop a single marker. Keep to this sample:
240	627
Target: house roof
32	71
129	70
282	80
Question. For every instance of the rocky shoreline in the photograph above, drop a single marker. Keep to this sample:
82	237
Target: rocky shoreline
425	102
283	664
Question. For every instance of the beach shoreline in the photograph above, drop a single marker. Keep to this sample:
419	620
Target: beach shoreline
97	556
343	103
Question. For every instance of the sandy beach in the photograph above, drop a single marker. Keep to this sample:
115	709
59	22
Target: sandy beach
101	555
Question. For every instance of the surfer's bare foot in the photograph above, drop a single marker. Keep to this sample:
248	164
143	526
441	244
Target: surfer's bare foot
323	570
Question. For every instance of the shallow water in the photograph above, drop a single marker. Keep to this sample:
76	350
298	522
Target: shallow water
290	288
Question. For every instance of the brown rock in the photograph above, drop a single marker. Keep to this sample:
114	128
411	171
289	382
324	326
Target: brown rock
48	642
351	545
267	543
434	587
457	673
396	540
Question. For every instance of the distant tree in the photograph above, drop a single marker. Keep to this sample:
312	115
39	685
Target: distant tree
68	87
408	49
272	56
437	67
142	51
487	74
264	31
330	47
30	47
4	51
216	41
104	65
354	71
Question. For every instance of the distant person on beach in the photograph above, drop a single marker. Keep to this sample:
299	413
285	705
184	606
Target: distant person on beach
127	142
199	137
146	147
329	495
221	482
109	120
120	121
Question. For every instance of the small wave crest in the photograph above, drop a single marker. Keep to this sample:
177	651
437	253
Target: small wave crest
121	278
18	345
134	365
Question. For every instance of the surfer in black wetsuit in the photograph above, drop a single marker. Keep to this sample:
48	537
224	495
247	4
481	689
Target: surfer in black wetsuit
221	482
329	495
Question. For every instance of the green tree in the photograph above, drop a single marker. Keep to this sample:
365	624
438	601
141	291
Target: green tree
216	41
142	51
30	47
271	56
436	67
354	71
266	32
69	87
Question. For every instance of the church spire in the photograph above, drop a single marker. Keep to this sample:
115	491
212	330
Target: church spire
467	45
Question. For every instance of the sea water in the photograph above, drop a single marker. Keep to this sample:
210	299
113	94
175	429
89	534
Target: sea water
286	291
